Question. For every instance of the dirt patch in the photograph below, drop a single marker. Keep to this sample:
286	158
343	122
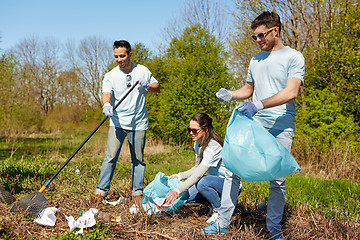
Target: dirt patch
248	222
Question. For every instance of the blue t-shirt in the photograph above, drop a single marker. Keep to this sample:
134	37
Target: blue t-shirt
270	71
131	114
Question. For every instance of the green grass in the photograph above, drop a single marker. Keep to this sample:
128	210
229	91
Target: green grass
337	196
98	232
36	159
331	196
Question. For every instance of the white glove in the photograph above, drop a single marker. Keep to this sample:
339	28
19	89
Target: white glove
108	110
224	95
144	83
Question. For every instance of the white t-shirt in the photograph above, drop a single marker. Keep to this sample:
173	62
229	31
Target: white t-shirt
211	158
131	114
270	71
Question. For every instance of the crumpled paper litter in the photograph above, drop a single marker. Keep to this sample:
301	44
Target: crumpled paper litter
134	209
47	217
85	221
114	203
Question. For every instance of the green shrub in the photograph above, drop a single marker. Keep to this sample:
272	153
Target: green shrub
322	121
190	73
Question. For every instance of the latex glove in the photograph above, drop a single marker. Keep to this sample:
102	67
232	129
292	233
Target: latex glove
249	109
144	83
108	110
224	95
171	197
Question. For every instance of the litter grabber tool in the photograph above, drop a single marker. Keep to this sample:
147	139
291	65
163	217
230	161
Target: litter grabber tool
35	202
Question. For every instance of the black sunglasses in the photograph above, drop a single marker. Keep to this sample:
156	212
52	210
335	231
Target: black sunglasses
128	80
193	130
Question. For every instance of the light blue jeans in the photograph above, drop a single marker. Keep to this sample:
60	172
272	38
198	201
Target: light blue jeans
207	190
276	199
136	141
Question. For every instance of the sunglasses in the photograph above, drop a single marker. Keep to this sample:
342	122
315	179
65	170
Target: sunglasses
128	80
194	131
262	34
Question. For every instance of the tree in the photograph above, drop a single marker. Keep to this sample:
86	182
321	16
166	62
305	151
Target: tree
194	68
140	53
336	65
95	56
39	61
18	112
325	31
9	92
72	92
303	23
212	15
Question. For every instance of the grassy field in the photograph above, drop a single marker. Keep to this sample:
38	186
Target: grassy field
315	207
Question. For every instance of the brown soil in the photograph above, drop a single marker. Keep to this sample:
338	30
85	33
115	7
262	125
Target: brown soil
248	222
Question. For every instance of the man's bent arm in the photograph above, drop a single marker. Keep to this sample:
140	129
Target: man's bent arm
154	87
288	94
244	92
106	97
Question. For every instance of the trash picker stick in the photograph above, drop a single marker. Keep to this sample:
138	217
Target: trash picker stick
83	143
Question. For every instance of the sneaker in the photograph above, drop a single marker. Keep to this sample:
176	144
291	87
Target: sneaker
100	192
213	228
213	218
99	199
276	234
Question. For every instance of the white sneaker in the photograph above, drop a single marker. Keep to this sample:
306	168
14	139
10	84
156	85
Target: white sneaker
213	218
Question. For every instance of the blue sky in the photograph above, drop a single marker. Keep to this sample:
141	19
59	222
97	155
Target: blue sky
133	20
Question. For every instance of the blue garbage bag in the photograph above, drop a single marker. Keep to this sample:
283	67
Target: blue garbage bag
252	153
159	187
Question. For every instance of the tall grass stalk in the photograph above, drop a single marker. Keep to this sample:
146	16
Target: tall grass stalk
340	160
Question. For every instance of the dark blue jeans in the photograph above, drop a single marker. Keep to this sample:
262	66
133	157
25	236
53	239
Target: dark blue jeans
207	190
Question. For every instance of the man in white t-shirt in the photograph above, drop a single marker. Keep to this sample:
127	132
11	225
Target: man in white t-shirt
274	78
130	119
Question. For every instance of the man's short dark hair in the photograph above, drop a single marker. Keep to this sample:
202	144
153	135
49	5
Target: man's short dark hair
269	19
123	43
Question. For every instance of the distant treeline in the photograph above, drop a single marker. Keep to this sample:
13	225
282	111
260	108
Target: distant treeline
46	86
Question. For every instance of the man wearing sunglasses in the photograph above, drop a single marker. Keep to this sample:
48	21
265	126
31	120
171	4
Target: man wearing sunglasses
274	78
129	120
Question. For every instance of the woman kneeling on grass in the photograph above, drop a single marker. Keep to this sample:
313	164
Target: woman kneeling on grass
208	147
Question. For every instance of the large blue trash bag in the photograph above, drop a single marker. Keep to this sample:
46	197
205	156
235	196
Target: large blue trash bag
159	187
252	153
